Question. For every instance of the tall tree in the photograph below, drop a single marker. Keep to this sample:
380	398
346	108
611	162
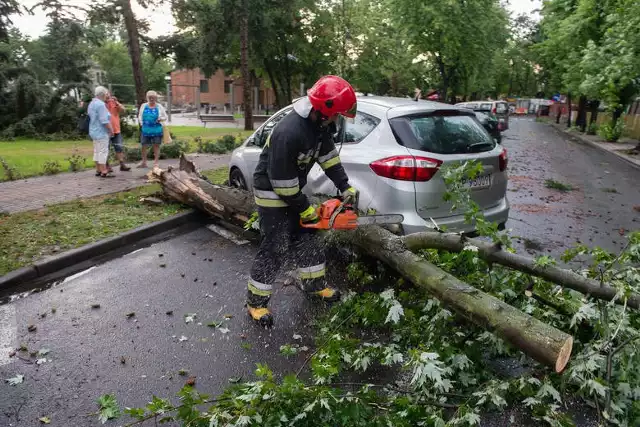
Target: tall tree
244	65
458	53
133	41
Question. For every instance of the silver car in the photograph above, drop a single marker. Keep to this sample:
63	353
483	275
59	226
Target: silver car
392	152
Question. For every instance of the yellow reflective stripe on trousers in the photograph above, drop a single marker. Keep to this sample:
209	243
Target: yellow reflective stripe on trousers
313	272
329	163
268	199
260	289
286	187
291	191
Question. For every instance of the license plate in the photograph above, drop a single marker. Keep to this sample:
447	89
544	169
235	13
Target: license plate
479	182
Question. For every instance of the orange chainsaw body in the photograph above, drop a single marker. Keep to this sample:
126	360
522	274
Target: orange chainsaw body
346	219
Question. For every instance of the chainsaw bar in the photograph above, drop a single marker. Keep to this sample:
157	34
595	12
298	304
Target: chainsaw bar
380	219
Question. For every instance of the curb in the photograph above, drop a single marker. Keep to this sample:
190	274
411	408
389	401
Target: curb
595	145
84	253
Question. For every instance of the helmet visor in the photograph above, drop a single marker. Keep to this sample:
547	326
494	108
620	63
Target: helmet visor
351	112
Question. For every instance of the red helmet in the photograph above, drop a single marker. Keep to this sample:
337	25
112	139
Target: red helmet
333	95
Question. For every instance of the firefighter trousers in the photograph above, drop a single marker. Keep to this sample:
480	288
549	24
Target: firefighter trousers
284	239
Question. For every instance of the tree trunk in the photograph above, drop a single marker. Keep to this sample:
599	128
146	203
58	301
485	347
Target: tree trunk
538	340
244	64
594	111
274	83
569	109
134	50
581	120
617	113
542	342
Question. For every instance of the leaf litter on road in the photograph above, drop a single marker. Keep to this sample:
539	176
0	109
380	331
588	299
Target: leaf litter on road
45	420
108	408
18	379
189	317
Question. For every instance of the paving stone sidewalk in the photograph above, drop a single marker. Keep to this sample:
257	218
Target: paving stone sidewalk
35	193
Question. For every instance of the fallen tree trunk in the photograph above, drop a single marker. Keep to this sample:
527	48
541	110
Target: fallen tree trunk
493	254
542	342
538	340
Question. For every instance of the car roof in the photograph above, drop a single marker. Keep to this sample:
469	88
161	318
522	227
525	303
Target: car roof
397	107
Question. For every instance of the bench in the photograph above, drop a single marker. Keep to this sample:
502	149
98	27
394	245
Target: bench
260	118
216	118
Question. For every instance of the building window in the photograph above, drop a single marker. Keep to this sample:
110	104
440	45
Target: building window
204	86
227	86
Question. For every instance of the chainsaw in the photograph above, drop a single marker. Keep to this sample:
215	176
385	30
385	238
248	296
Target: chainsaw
342	215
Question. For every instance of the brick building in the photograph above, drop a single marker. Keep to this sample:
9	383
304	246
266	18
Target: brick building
218	90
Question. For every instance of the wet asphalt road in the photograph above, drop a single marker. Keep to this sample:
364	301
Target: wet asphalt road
88	345
598	212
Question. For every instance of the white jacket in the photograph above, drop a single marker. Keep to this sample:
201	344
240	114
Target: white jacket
162	113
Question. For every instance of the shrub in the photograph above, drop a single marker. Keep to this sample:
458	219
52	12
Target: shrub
76	162
592	129
51	168
220	146
174	150
611	133
10	172
167	151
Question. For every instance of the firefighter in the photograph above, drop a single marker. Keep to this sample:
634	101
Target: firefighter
298	141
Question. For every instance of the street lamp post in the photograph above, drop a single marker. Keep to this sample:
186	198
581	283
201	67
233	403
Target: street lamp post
167	79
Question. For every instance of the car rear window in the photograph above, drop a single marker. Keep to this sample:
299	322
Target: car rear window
449	133
486	106
501	107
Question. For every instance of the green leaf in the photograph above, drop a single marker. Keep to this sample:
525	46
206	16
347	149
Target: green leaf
45	420
108	408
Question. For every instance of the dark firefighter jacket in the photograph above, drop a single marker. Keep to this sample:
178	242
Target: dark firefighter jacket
293	147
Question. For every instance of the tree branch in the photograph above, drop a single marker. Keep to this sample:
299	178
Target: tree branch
489	252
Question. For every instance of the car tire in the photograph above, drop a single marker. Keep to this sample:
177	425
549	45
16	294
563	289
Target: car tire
236	179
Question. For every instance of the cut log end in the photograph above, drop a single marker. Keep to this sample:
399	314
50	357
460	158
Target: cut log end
564	355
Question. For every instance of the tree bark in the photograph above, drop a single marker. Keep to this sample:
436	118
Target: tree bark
542	342
538	340
569	109
274	83
493	254
244	64
581	120
594	111
134	50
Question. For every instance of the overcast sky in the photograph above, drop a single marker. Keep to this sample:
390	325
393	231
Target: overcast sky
162	21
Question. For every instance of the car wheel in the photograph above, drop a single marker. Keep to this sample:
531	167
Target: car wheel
236	179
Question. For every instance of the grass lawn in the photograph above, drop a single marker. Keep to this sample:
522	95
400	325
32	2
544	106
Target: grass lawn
29	236
28	156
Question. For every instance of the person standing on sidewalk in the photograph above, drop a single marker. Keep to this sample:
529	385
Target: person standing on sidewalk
100	130
150	117
115	109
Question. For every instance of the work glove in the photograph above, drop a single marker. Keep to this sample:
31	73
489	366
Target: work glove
309	216
350	195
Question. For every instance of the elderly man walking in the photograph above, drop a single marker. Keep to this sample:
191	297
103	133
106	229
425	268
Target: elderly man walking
100	131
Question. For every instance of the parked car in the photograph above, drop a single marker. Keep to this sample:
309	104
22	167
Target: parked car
392	151
490	124
497	109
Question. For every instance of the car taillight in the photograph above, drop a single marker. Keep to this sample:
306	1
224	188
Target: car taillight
494	110
503	160
406	168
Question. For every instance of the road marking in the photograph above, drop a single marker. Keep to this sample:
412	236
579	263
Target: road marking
227	234
8	332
